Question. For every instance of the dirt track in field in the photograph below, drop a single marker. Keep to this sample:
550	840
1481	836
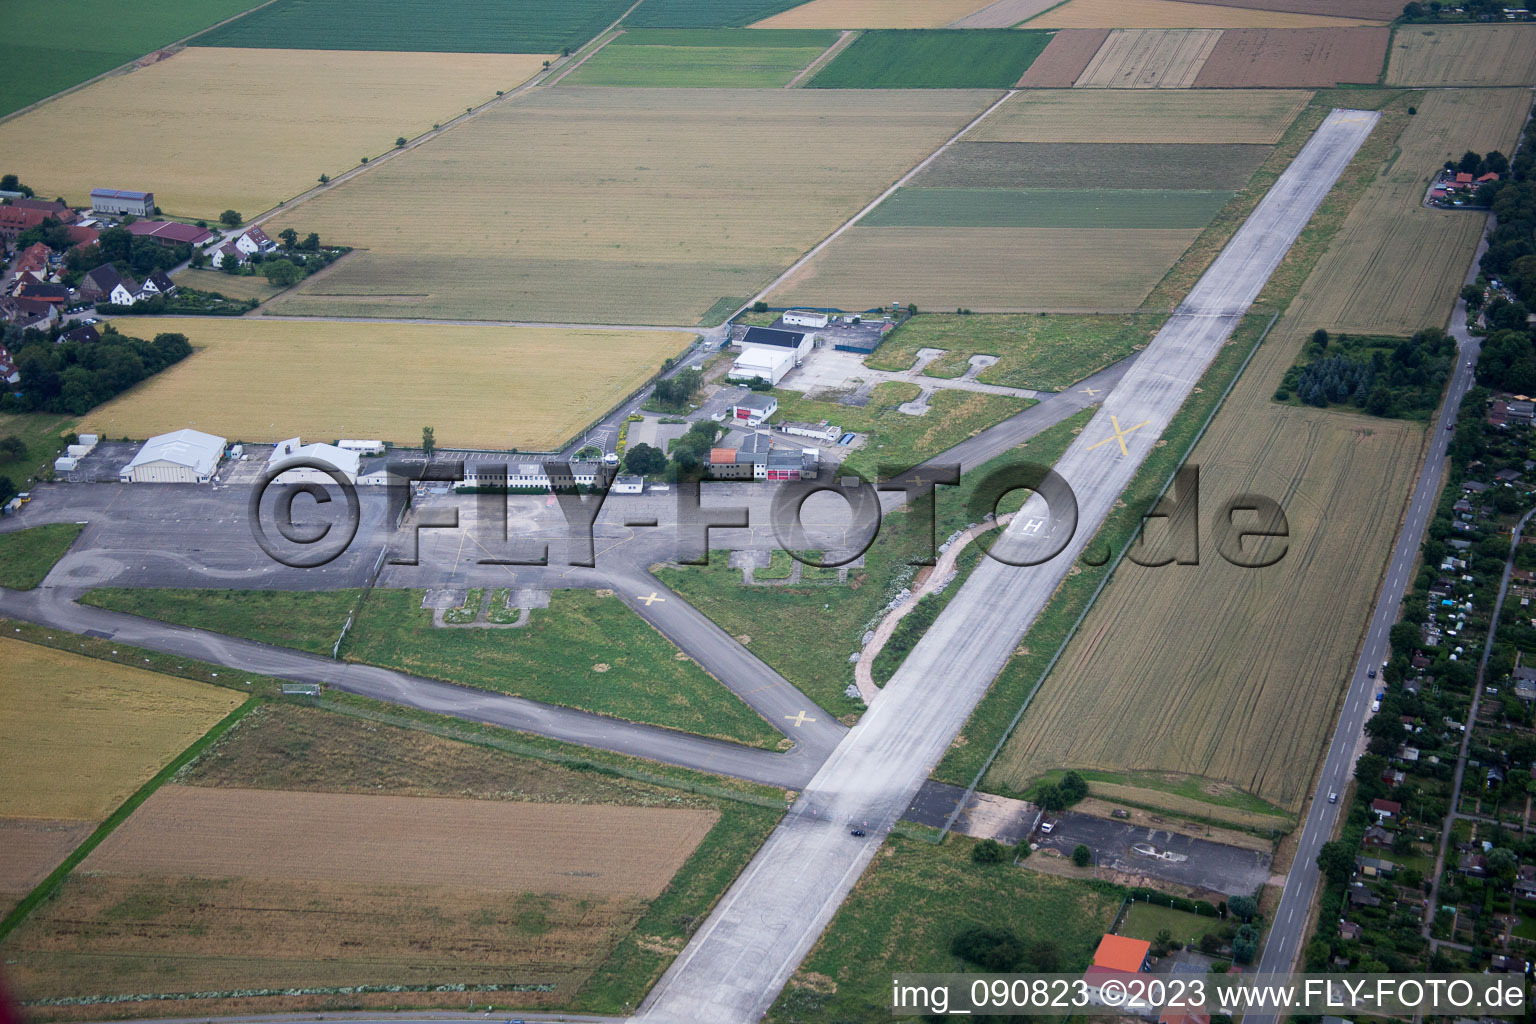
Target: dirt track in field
1064	58
1279	58
521	847
1374	10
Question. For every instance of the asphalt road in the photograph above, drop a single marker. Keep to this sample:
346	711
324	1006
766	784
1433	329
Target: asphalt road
53	607
1287	936
1169	856
767	921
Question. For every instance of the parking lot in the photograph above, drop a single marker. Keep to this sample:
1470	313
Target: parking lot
1156	853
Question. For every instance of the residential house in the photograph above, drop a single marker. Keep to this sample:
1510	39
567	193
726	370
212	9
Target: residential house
1377	838
254	240
1474	864
1501	964
1385	809
41	298
1360	896
33	260
157	283
227	251
1525	881
1120	959
105	284
83	335
48	208
14	220
8	371
1349	930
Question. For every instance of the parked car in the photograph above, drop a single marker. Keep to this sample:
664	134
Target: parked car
1047	827
856	832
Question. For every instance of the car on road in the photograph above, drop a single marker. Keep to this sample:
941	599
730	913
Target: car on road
856	832
1371	674
1450	426
1333	798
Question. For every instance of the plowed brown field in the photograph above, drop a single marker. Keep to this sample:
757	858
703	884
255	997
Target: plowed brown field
1374	10
1064	58
1279	58
30	849
409	841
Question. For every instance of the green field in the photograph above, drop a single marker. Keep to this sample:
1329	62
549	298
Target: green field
933	59
898	438
1046	353
1079	165
50	47
908	907
1145	920
554	659
703	58
27	555
1047	208
448	26
705	13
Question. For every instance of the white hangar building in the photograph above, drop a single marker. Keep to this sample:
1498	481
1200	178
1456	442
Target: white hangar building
181	457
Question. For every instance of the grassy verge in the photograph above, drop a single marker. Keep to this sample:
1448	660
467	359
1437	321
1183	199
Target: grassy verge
618	985
56	878
1046	352
586	651
916	622
43	434
27	556
1188	796
896	438
996	712
907	909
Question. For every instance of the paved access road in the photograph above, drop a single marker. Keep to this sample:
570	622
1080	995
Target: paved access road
766	923
1170	856
1287	936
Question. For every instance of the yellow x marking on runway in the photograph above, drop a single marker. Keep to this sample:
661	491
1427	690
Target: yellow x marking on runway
1090	392
1119	435
652	599
799	719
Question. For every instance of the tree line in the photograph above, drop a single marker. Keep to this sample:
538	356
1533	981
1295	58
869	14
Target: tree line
73	377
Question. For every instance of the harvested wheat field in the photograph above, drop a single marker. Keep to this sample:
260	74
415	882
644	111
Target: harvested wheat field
1141	58
615	205
1004	14
1281	58
875	14
484	386
1063	58
29	851
1177	14
1232	674
996	269
403	840
1395	265
80	735
213	129
1253	117
132	935
1463	55
1372	10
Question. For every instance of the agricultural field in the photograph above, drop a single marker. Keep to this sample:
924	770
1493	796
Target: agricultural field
1149	59
1262	698
603	869
27	556
320	111
631	672
407	841
1179	14
234	286
703	58
38	60
704	13
1064	59
991	208
1090	270
1294	58
1046	353
60	776
1003	14
1396	266
1068	165
1445	55
1247	117
406	25
1373	10
873	14
939	59
463	391
907	908
613	205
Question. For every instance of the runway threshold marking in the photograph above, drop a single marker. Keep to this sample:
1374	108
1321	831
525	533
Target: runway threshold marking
1120	434
799	719
1090	392
650	599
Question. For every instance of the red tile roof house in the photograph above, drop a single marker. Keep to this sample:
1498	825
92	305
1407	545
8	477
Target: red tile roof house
48	208
168	232
1120	960
14	220
34	258
1384	809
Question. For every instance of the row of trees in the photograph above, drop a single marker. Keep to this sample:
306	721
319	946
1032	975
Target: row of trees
72	377
1434	10
1508	360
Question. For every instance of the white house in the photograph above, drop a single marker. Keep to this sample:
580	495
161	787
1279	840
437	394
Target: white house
183	456
806	318
770	364
628	485
228	250
157	283
345	462
752	408
254	240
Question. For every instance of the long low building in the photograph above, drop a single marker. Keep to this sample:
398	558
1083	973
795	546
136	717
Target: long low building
345	462
769	364
183	456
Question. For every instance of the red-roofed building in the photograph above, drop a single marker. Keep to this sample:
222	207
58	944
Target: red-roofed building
1463	178
16	219
33	259
1184	1016
1490	176
168	232
82	235
1384	809
48	208
1120	953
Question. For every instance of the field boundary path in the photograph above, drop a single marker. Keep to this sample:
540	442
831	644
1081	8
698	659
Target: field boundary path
1286	937
838	46
54	607
768	920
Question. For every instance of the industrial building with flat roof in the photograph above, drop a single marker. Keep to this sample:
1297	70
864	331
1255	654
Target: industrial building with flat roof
122	201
